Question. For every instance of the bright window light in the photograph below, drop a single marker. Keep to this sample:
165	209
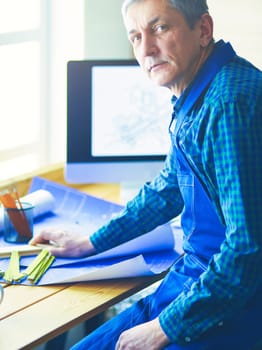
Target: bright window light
19	91
37	38
19	15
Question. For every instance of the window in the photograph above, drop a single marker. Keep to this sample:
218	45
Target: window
20	47
37	38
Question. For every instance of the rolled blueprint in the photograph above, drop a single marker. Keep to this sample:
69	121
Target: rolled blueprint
42	201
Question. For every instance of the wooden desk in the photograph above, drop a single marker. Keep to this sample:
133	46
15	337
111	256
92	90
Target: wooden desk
31	316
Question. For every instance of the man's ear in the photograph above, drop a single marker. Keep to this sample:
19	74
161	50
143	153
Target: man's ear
206	28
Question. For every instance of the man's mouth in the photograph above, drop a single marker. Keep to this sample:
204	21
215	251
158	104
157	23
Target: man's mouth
155	66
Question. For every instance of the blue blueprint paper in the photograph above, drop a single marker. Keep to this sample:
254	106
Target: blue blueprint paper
149	254
74	209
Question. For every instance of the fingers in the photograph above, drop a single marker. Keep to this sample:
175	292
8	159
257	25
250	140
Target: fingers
63	243
48	236
58	251
49	239
43	237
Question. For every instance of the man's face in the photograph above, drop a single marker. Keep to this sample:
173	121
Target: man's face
167	49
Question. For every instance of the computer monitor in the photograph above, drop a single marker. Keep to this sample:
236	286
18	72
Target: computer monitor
117	125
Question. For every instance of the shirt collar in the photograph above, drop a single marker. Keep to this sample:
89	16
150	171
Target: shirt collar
178	102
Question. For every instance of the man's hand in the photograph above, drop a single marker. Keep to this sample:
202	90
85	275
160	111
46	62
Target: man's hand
149	336
63	243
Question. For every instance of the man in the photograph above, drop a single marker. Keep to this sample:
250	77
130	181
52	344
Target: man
211	298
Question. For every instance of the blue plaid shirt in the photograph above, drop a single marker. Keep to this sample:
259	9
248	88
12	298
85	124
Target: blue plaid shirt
222	140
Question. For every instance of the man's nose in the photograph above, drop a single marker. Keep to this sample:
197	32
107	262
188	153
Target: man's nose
148	47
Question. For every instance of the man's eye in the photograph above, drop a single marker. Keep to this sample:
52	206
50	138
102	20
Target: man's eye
160	28
135	38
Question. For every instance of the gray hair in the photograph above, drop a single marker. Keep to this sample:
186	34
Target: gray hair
192	10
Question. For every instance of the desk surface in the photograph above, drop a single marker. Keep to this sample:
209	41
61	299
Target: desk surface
32	315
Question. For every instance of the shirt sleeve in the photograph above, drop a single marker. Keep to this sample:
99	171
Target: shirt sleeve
157	202
232	153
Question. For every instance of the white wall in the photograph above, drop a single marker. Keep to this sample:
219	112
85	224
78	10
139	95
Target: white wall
105	35
239	21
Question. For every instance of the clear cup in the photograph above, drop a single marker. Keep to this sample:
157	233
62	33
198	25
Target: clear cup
18	223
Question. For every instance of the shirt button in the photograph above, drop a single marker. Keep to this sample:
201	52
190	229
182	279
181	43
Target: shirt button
221	323
187	339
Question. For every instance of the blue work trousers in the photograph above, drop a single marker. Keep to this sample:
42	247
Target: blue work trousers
240	333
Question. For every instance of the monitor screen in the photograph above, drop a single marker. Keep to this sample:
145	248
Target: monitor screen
117	123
